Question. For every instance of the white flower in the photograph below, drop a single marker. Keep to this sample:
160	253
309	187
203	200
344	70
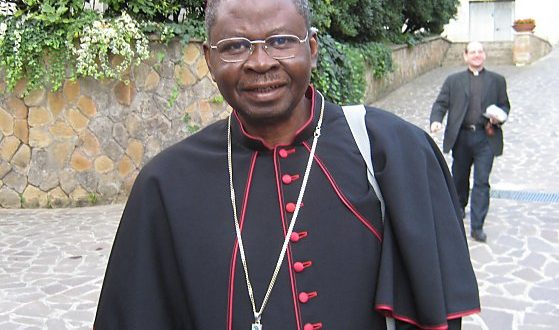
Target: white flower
7	8
120	36
3	28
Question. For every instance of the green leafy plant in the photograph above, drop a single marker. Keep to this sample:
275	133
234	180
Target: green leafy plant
160	56
524	21
158	10
353	35
144	9
21	200
167	31
92	198
218	99
106	38
175	92
191	128
46	42
36	45
380	20
378	57
340	73
428	15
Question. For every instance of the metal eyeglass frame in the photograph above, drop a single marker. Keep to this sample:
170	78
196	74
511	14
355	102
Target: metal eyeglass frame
264	45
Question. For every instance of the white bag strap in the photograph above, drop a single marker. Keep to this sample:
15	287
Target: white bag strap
355	116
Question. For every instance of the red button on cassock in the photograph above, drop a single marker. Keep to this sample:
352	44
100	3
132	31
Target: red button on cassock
295	237
290	207
300	266
312	326
304	297
288	179
283	153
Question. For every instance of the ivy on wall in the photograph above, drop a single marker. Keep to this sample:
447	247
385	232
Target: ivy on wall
48	41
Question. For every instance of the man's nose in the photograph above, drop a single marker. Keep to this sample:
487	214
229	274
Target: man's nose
259	59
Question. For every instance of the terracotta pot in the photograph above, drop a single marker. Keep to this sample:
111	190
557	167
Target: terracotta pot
525	27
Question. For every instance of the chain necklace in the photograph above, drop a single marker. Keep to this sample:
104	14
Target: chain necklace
258	313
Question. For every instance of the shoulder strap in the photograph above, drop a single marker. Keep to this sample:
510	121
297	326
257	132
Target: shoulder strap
355	116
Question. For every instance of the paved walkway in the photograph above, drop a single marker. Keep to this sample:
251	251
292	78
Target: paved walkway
52	261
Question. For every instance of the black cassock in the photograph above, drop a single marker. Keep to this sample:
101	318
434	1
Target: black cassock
175	262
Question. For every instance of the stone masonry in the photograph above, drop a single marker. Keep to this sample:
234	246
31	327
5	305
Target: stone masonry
85	143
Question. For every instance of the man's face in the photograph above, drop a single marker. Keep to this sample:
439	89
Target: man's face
262	89
475	56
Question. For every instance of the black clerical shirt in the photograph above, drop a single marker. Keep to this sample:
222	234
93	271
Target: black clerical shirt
474	113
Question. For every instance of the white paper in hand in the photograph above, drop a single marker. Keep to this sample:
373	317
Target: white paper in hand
495	111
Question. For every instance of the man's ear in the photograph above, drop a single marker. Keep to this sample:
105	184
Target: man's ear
207	56
313	42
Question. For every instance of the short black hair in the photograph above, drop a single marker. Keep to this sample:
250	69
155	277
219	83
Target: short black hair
212	6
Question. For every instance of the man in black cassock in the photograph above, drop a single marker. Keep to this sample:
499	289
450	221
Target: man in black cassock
266	220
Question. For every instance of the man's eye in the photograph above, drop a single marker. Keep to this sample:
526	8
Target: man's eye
281	41
235	46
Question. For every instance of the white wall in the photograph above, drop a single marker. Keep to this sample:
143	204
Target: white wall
545	12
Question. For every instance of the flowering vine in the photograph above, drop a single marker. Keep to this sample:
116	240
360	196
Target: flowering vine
43	43
106	38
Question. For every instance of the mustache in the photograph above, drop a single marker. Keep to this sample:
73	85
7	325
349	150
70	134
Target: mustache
256	78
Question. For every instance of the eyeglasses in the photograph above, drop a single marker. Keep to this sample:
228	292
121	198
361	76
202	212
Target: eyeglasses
279	47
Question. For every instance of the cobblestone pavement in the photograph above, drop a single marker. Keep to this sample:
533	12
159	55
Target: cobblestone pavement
52	261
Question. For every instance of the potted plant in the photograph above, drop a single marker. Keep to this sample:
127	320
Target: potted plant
524	25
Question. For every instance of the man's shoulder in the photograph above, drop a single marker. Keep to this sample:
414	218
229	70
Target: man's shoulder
189	151
386	117
392	135
494	74
377	119
384	122
458	75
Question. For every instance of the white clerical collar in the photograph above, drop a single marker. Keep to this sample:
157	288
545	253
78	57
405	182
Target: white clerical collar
475	72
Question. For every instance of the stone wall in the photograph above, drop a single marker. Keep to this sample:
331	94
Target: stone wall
528	48
408	63
85	143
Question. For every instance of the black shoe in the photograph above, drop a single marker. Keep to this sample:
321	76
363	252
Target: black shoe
478	235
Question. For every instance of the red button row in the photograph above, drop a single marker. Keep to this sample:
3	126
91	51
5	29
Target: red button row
300	266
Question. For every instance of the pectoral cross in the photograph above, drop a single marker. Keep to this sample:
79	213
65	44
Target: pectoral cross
256	326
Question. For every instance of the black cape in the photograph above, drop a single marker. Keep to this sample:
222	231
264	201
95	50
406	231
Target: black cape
175	262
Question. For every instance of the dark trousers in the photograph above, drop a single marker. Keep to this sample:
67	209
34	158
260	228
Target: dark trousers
472	148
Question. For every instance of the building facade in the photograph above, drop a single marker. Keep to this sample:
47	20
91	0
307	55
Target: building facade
492	20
